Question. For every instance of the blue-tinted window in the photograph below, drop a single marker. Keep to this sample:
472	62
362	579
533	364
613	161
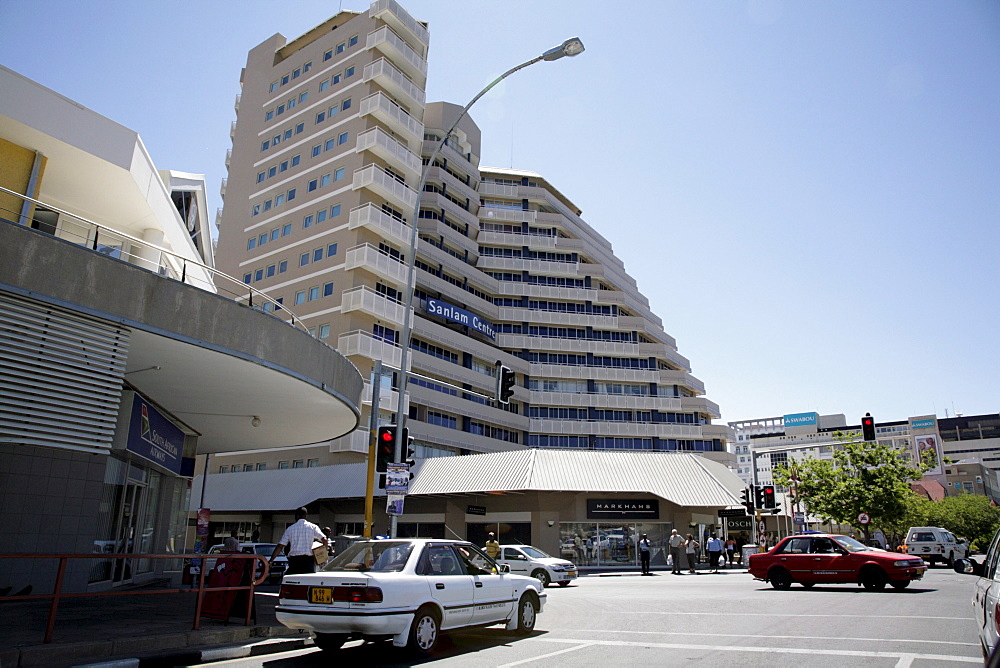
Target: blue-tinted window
330	143
321	216
317	149
328	55
252	243
352	41
275	233
324	84
269	115
267	205
258	275
303	97
331	250
300	297
282	268
304	259
320	117
349	72
339	174
327	289
284	166
317	255
324	180
284	80
297	73
312	185
307	221
271	171
264	145
342	139
291	194
247	278
262	239
260	177
279	200
299	128
337	77
296	159
341	46
280	110
313	294
270	270
286	229
288	134
346	104
334	210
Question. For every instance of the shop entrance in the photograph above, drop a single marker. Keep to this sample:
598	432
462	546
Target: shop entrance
508	533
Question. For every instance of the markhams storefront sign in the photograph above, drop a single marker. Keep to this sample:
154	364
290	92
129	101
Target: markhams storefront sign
623	509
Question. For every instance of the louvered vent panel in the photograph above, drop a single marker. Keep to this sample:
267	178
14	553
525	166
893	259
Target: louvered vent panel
60	376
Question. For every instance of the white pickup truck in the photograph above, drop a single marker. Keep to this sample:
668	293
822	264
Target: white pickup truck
934	545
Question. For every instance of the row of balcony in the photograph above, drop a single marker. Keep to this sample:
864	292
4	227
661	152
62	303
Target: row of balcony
532	241
386	110
400	86
394	15
409	61
635	402
396	154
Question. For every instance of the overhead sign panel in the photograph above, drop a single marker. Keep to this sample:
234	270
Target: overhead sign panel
459	315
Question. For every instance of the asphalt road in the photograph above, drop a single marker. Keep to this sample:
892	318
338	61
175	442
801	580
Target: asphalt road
711	620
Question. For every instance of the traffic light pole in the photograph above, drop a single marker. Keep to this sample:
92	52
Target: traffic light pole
372	431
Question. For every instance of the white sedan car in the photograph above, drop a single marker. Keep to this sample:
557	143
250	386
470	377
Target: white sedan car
408	590
985	596
528	560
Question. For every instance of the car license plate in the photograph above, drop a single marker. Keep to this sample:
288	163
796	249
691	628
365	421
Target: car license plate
320	595
572	574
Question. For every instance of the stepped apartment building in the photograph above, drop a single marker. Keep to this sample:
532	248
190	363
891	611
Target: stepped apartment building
331	135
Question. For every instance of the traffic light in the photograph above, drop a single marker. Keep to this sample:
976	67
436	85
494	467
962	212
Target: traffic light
385	447
505	383
411	454
868	427
767	497
747	496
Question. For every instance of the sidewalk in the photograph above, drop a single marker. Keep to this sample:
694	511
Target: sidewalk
138	630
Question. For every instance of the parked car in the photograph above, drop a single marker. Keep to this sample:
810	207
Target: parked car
986	595
530	561
934	545
265	550
409	590
831	558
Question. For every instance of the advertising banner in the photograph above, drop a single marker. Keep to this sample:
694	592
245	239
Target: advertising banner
931	444
397	478
152	436
394	504
460	315
623	509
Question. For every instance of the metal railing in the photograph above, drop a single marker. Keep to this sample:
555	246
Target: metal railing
57	594
145	255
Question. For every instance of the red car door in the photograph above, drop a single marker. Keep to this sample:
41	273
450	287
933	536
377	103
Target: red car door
795	558
829	563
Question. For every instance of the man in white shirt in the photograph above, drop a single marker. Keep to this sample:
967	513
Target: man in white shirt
676	543
299	538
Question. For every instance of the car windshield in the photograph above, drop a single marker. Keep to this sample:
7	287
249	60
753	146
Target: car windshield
264	549
378	556
850	544
534	552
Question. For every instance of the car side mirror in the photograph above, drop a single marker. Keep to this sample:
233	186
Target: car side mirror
504	568
968	567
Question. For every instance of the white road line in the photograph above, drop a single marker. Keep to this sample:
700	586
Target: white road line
754	635
769	650
582	645
779	614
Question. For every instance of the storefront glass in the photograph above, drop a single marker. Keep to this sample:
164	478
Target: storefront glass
609	545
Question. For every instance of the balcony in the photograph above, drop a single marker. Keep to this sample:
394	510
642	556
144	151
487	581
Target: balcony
236	104
607	374
386	110
222	188
381	264
360	343
388	401
561	318
377	180
489	262
370	216
368	301
393	152
395	83
232	130
498	189
229	157
665	351
552	344
634	429
394	15
682	378
701	405
611	401
356	441
393	46
504	215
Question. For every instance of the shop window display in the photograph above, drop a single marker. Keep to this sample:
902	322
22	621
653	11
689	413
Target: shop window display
605	544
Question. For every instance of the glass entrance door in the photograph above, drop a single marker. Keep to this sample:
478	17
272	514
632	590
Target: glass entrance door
129	521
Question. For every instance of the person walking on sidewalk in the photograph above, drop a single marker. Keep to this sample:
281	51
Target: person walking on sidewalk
643	547
714	553
492	547
691	552
730	551
676	542
299	538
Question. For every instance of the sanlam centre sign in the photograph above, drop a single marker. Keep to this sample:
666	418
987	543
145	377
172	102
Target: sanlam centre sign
460	315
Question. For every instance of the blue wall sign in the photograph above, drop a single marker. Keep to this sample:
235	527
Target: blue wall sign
922	424
802	420
153	437
461	316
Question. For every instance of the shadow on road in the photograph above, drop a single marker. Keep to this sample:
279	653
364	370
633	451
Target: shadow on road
382	653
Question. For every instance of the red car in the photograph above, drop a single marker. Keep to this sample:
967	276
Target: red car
830	559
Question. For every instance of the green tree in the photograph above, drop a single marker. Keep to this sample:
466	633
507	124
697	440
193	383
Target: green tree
969	515
863	477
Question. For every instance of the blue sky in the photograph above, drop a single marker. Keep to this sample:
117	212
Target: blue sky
807	192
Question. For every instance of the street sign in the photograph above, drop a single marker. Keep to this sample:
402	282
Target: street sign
761	527
397	478
739	523
864	518
799	518
733	512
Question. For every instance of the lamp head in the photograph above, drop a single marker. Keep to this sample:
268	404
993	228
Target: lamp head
570	47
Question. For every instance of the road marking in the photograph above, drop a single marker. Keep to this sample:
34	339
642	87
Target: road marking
582	645
754	635
901	656
780	614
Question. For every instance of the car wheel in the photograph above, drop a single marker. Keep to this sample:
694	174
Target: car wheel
780	578
873	579
951	560
808	585
330	641
543	577
564	583
900	584
424	631
527	614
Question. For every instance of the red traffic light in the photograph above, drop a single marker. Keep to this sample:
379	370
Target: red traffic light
387	435
868	427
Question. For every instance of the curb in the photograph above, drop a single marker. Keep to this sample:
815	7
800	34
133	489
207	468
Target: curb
186	656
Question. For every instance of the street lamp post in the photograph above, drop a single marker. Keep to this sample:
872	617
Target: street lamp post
571	47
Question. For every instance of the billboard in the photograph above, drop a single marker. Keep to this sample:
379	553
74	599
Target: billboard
459	315
801	420
930	443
